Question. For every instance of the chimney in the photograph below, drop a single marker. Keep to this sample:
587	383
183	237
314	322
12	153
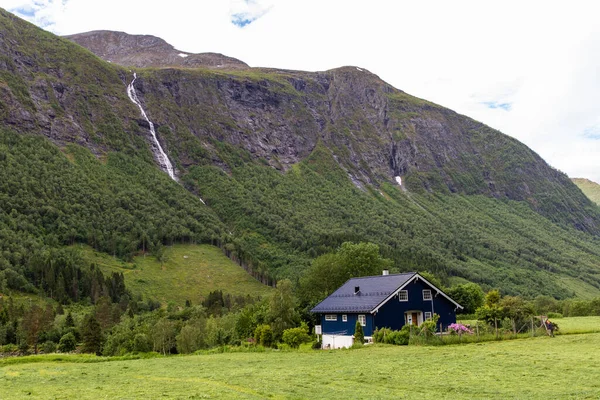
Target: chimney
386	272
356	289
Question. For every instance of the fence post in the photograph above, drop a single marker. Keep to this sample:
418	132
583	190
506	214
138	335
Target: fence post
532	330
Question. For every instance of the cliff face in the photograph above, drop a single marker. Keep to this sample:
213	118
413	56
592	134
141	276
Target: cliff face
375	133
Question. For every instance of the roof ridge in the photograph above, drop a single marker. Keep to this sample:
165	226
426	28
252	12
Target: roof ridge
381	276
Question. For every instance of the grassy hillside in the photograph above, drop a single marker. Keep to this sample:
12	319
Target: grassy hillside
49	199
188	272
540	368
590	188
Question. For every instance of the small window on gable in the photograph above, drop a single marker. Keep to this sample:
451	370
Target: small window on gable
344	318
426	294
403	295
330	317
362	319
427	315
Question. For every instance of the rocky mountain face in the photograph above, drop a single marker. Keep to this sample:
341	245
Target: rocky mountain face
146	51
374	131
228	129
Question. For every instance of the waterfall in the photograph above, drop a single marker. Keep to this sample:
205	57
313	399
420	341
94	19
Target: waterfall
159	153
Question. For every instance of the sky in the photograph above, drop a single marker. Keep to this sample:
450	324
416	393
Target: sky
530	69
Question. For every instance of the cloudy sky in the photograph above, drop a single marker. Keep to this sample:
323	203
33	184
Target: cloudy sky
528	68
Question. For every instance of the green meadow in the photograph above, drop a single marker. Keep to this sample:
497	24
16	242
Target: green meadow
562	367
188	272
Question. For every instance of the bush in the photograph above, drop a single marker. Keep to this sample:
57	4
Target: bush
67	343
264	335
10	348
24	348
554	315
388	336
318	345
49	347
294	337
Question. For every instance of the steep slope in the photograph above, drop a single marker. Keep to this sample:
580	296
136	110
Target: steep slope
374	131
290	164
143	51
590	188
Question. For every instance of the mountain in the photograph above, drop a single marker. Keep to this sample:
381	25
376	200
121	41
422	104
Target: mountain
146	51
275	166
590	188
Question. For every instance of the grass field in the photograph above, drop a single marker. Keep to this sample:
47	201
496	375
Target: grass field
190	272
573	325
560	367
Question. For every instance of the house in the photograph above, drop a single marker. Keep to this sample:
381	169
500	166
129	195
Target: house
384	301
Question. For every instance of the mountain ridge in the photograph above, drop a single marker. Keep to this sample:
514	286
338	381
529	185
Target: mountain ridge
147	51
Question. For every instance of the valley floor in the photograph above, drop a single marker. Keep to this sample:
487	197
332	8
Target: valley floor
561	367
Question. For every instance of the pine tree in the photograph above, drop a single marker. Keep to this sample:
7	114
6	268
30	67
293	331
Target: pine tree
69	322
359	336
91	333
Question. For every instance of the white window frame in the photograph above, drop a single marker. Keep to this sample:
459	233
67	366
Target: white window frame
330	317
403	295
344	318
430	297
362	319
427	315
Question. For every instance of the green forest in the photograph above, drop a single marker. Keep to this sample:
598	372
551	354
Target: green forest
274	222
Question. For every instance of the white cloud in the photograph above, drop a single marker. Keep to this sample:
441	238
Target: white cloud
540	57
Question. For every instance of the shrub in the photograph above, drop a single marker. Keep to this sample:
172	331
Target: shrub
318	345
264	335
24	348
49	347
67	343
388	336
554	315
294	337
459	329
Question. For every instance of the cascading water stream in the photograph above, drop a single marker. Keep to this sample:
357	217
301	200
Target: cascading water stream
161	156
159	153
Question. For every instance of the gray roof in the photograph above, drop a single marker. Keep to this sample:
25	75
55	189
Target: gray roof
373	290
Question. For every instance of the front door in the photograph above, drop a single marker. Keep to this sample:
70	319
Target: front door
415	319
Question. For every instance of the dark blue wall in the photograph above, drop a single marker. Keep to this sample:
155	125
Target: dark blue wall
338	326
391	314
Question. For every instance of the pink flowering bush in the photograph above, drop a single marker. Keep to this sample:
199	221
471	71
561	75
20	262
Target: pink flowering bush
459	329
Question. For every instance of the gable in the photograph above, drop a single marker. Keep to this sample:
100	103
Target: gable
412	283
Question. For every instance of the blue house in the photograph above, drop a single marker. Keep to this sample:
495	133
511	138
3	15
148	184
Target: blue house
384	301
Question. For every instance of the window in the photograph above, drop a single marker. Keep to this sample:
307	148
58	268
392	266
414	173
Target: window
427	294
427	315
344	318
330	317
362	319
403	295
